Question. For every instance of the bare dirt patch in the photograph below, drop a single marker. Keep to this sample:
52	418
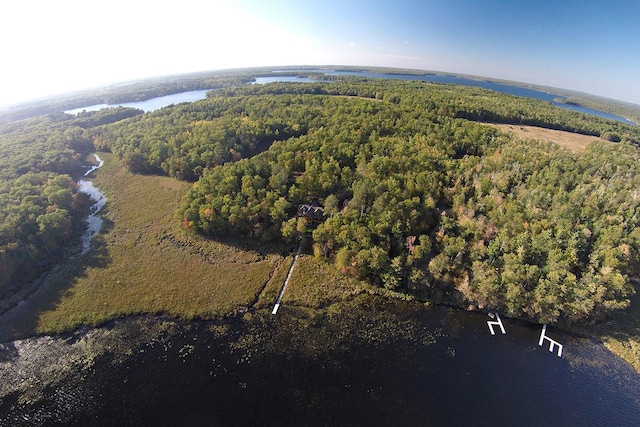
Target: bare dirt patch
573	141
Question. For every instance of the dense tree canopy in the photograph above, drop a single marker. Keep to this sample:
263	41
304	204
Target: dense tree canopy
41	211
417	195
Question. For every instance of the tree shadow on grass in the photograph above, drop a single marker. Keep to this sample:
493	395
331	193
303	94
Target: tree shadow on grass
196	244
45	293
263	247
623	324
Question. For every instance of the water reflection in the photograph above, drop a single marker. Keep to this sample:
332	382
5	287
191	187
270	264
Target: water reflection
94	221
370	363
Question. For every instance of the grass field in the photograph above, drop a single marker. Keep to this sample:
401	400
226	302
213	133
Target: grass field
316	283
572	141
142	262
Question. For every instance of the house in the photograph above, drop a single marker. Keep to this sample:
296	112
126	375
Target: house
314	215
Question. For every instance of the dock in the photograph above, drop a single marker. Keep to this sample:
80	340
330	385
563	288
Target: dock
286	281
498	323
552	343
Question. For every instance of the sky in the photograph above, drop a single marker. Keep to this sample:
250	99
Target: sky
50	47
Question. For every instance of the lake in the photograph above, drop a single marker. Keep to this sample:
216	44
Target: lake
451	79
150	104
287	79
163	101
370	362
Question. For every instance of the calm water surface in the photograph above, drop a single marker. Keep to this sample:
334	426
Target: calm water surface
288	79
163	101
373	365
150	104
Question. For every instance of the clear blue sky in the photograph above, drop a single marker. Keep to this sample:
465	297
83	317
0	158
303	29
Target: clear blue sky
51	47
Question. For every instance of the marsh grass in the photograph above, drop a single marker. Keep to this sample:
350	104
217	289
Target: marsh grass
145	263
316	283
269	294
142	262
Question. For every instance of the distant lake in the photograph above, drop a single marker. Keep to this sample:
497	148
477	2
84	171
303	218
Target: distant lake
450	79
150	104
287	79
177	98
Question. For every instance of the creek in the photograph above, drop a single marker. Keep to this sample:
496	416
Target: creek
369	361
94	221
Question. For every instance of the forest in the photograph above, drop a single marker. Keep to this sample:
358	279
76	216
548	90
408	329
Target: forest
122	93
42	214
415	193
418	195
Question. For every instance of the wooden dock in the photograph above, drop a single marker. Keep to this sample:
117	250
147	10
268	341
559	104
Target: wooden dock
286	281
552	343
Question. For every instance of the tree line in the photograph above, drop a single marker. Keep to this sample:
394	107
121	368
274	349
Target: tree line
41	210
417	196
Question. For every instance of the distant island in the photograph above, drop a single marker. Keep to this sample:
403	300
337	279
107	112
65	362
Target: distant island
406	189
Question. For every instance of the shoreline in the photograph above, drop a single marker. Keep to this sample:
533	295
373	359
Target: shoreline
375	298
94	367
96	294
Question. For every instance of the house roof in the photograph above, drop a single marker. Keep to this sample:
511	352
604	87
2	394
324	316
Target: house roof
311	212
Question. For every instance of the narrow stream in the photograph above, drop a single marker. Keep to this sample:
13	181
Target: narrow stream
94	221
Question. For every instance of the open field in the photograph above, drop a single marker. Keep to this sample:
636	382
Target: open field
573	141
150	266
